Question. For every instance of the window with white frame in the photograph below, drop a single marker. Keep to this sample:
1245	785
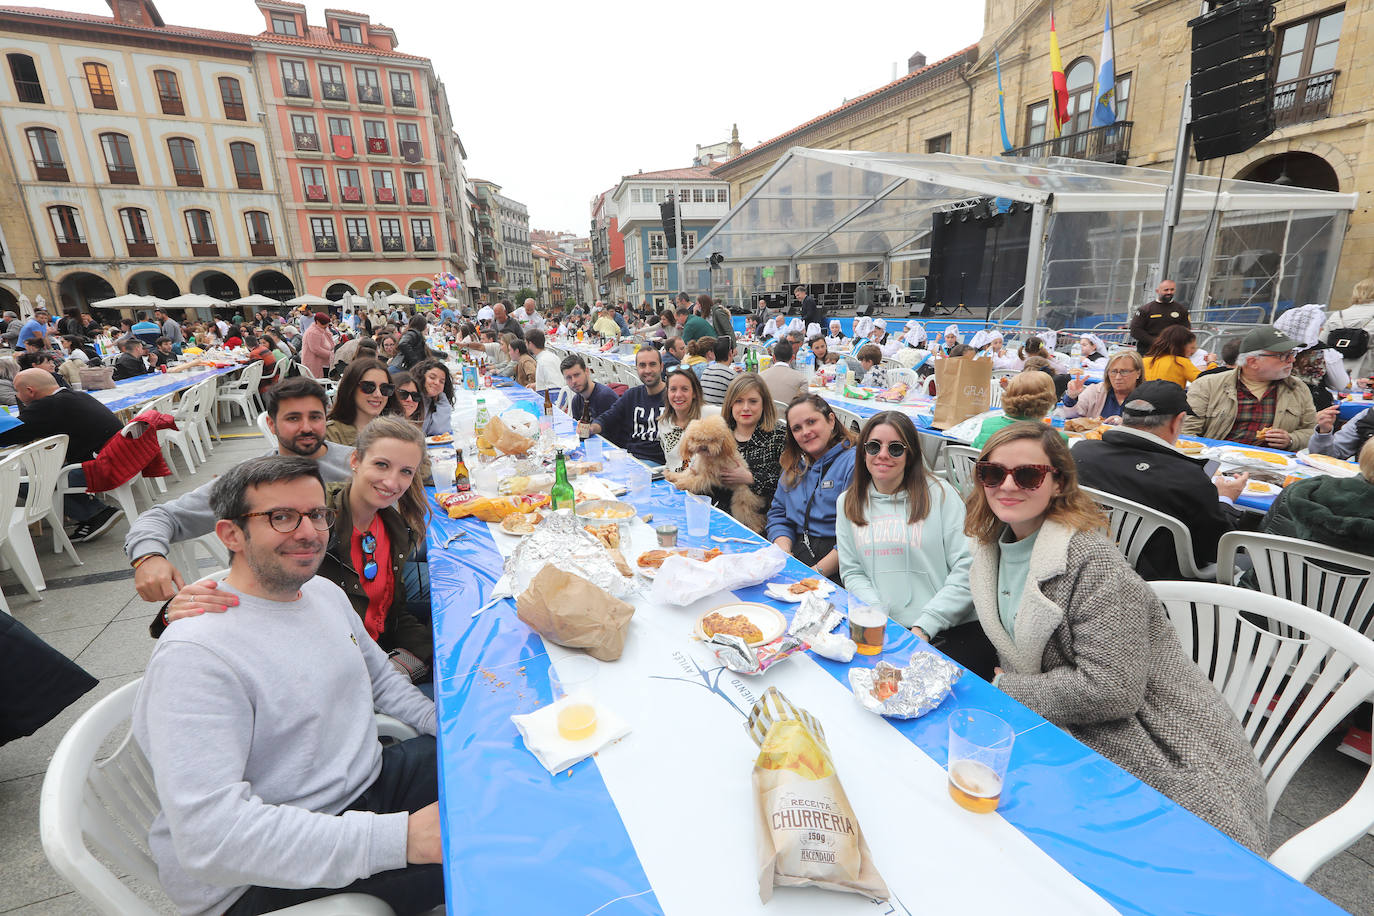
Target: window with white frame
659	276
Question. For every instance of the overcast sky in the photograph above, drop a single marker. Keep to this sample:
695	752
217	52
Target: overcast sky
556	101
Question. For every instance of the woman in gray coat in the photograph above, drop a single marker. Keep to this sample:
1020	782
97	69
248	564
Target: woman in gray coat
1084	642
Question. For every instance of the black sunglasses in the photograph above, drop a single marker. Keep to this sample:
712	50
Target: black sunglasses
387	388
1025	476
894	449
406	394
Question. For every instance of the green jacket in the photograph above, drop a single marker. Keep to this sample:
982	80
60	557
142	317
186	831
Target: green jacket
1335	511
401	630
1213	399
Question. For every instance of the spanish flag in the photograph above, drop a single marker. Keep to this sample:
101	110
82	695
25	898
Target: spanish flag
1059	94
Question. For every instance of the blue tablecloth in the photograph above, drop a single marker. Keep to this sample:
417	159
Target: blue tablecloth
519	840
118	398
1353	408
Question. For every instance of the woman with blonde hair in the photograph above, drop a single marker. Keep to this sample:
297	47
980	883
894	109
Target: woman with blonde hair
1125	370
1083	641
1029	396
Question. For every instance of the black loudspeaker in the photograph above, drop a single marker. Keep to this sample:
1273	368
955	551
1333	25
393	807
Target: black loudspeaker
1231	78
863	300
667	212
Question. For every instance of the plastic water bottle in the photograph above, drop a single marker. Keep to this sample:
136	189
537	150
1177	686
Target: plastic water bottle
841	375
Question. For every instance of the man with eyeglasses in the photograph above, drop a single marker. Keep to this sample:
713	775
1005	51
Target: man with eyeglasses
296	416
1138	461
1258	402
259	727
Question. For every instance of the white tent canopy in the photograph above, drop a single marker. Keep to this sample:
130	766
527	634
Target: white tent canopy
195	300
399	299
309	300
256	301
128	301
841	206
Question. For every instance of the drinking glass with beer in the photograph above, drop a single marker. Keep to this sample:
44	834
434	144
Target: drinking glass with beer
574	681
979	750
867	624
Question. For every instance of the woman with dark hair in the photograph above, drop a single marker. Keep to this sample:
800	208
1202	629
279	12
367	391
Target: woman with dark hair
683	403
817	464
1083	641
365	393
411	346
436	385
749	412
900	532
409	399
1167	360
523	366
317	346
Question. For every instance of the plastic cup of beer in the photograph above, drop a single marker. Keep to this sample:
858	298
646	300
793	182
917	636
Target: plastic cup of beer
979	751
867	624
592	448
574	690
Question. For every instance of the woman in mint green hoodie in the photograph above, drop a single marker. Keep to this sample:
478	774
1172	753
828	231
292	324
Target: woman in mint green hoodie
900	532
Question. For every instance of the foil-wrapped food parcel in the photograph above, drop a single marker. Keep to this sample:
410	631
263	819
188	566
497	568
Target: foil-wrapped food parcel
907	692
807	832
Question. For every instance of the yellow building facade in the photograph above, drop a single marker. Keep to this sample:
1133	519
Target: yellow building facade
1323	98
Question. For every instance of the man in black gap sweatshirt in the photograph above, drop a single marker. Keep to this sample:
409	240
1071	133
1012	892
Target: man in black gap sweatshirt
632	421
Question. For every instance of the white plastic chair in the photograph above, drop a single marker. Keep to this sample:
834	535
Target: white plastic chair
42	462
187	413
210	408
172	437
959	462
185	556
1290	683
266	432
10	472
107	806
1133	524
243	393
903	376
123	495
1334	581
849	418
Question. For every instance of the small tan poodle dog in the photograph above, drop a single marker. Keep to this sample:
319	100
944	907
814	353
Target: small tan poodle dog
708	448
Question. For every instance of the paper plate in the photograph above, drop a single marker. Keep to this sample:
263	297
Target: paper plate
1252	456
778	591
1331	465
1190	446
441	439
1260	488
769	620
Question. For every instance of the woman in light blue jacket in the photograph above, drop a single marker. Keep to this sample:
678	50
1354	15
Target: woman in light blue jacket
817	463
900	532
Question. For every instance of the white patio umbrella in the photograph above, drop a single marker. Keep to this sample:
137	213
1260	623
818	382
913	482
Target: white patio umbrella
309	300
128	301
257	301
195	301
399	299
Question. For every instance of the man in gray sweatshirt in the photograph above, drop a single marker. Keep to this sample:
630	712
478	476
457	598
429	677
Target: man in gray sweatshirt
296	416
259	727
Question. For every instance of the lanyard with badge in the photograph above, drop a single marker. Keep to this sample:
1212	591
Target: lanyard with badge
823	484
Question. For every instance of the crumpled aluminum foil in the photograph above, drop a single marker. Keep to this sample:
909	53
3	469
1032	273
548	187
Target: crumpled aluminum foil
736	654
561	541
813	616
923	685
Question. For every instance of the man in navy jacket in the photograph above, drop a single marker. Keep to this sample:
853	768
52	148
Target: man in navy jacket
632	421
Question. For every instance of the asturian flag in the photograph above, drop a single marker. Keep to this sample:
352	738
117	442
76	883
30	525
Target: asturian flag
1104	108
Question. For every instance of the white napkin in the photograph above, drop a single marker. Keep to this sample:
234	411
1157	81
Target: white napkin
682	581
778	591
556	753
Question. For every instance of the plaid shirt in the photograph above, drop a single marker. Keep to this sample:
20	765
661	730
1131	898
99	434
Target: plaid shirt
1252	413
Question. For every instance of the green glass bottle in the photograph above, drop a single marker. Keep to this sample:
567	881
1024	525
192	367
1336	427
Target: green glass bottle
561	496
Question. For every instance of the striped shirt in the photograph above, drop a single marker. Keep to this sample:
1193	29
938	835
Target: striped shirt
714	380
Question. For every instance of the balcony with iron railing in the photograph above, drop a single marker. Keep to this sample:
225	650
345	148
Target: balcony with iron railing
234	111
369	95
378	146
1111	143
123	175
249	181
141	247
73	248
296	88
205	249
105	100
386	195
172	105
188	178
307	142
403	98
316	193
334	92
51	171
326	243
393	244
29	91
1307	98
359	243
424	242
351	194
263	248
417	195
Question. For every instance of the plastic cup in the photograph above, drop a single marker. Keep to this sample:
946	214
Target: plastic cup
867	626
574	690
698	509
592	448
979	751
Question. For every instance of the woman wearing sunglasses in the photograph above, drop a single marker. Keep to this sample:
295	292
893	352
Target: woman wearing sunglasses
365	393
900	533
1083	641
817	464
684	403
436	384
379	520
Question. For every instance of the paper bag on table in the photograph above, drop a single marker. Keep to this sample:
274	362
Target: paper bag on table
506	440
573	612
963	387
681	581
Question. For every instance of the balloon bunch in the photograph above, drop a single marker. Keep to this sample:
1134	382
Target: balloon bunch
444	280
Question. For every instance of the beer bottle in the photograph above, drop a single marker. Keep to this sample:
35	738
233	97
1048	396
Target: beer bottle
461	482
561	496
548	403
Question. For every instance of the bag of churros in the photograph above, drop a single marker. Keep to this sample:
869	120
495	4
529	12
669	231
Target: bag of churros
808	834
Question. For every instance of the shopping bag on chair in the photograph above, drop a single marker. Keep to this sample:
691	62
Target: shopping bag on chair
963	387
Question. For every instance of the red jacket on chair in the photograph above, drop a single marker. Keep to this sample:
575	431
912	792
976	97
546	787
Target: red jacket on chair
129	453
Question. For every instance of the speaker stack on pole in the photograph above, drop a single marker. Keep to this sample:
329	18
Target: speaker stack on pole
1231	81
